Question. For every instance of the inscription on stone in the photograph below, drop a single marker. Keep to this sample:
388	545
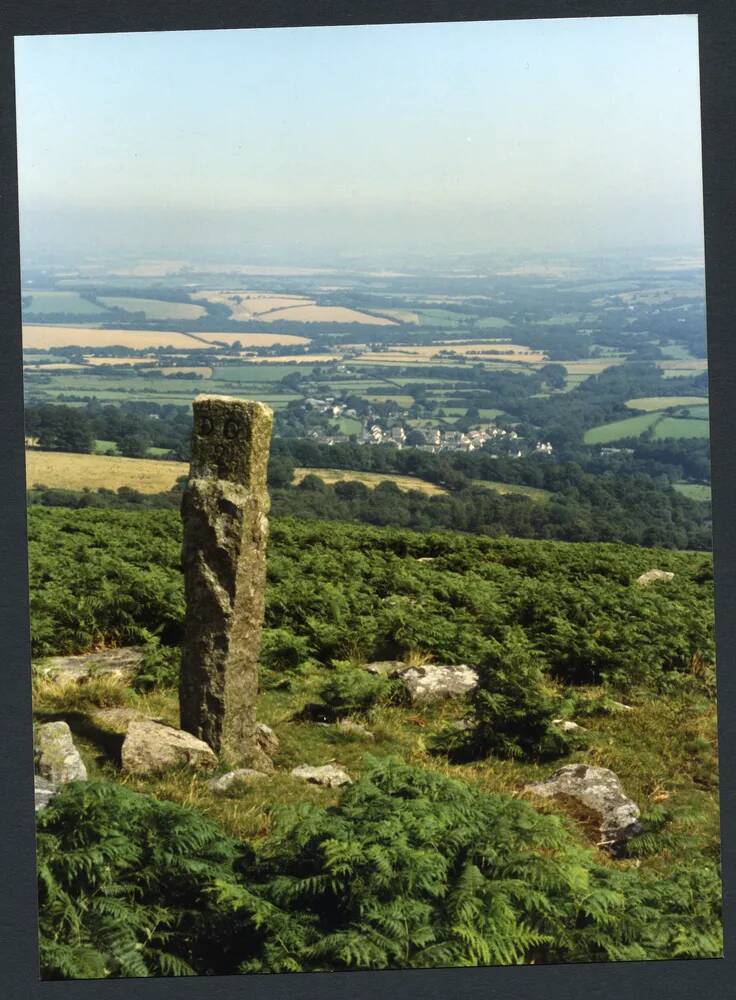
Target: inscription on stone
224	513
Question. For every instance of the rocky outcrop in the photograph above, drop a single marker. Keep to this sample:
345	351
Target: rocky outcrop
329	775
266	739
150	747
224	512
234	781
597	792
652	575
57	758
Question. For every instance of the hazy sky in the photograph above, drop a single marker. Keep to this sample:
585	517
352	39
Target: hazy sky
552	134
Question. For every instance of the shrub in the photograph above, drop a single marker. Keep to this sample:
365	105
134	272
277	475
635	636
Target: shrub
512	709
350	690
159	668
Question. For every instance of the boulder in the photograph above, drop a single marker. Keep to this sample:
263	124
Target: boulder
234	781
44	792
57	758
618	706
432	682
653	574
118	719
598	791
329	775
150	746
355	729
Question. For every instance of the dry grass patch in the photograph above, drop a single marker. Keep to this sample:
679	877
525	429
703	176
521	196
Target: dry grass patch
79	336
63	470
369	479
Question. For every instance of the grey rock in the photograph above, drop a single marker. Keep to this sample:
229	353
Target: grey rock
652	575
386	668
598	790
329	775
433	682
266	738
618	706
234	781
118	719
150	747
57	758
224	513
44	792
568	726
355	729
120	663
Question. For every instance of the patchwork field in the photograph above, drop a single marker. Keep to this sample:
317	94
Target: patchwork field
323	314
482	351
77	336
62	470
155	308
245	305
370	479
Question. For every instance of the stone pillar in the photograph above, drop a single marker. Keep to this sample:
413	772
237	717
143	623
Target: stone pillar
224	511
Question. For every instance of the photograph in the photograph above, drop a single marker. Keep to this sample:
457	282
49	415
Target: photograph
368	497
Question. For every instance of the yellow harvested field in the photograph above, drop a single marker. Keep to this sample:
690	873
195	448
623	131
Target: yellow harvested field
652	403
247	305
323	314
79	336
692	364
151	359
253	339
369	479
591	367
204	370
63	470
483	352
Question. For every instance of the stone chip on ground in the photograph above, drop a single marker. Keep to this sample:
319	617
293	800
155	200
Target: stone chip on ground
234	781
568	726
328	775
150	746
653	574
598	790
57	758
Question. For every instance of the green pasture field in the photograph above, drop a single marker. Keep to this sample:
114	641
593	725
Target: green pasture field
629	427
695	491
258	373
155	308
682	427
61	302
697	412
100	446
349	425
492	323
460	411
390	396
438	317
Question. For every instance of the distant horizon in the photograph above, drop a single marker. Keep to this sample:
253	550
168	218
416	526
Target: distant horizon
550	136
